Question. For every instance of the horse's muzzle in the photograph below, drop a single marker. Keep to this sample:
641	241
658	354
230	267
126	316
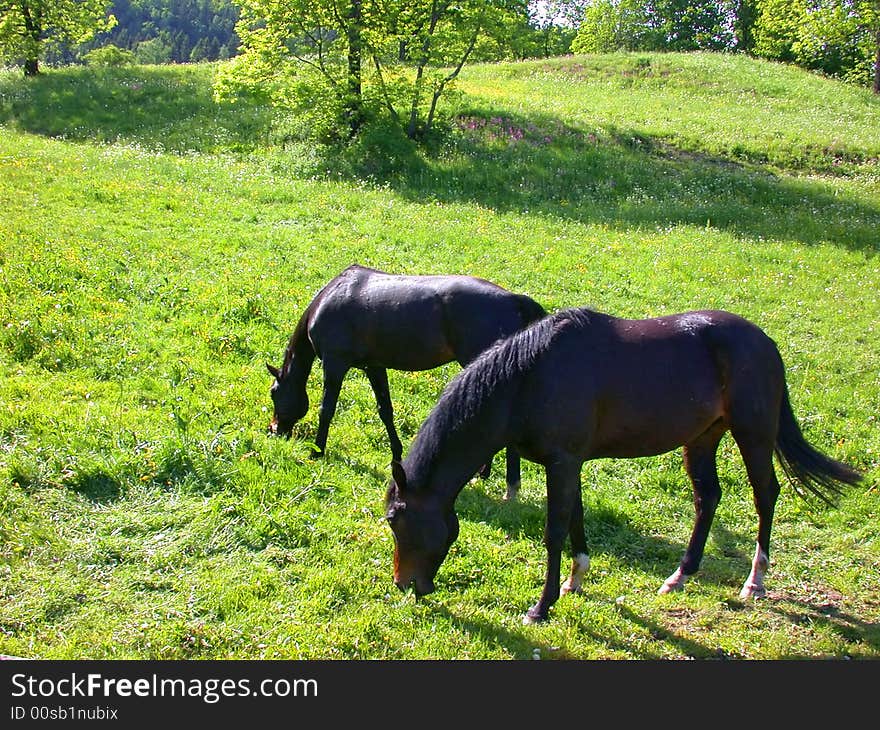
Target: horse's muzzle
275	429
419	587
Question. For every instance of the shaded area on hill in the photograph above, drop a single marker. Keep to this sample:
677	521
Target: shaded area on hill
620	177
163	108
497	159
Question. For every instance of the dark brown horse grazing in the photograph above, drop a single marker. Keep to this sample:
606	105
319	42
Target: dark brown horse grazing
367	319
581	385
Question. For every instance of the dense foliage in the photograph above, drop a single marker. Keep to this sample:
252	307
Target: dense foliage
316	57
837	37
178	31
28	27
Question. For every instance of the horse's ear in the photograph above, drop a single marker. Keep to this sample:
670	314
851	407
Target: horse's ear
273	371
399	475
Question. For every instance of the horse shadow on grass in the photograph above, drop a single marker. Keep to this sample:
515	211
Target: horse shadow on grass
524	644
821	613
610	531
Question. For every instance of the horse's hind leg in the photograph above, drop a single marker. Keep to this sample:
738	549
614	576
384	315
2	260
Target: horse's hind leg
699	461
379	381
758	458
513	474
580	561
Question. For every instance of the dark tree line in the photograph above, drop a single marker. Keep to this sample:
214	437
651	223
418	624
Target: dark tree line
176	31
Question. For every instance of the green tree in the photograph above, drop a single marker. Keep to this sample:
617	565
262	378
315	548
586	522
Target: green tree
434	41
549	29
153	51
301	55
665	25
689	25
109	55
837	37
334	60
745	14
28	26
612	25
776	29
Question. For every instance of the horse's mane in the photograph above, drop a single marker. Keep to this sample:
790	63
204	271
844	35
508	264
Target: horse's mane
299	345
499	367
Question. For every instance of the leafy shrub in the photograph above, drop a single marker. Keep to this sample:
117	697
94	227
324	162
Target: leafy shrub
109	55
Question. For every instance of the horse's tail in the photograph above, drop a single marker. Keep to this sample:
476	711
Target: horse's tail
529	310
807	468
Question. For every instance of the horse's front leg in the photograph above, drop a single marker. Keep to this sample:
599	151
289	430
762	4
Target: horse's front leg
563	487
334	373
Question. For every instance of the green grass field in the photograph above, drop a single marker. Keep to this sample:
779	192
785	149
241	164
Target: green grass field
156	249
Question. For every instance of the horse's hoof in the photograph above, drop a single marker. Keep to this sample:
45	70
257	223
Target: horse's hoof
316	454
534	616
673	587
674	583
511	492
750	590
568	588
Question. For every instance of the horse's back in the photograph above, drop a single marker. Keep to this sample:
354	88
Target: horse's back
478	313
409	322
622	388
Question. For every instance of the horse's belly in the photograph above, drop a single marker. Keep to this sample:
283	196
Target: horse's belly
411	358
649	432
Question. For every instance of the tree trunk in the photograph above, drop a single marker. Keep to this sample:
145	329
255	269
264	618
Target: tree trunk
353	111
877	66
744	25
412	127
33	30
438	91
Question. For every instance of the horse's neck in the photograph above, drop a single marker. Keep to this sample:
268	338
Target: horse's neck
300	355
455	462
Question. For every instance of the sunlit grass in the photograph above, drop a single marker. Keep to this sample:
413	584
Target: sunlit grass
151	265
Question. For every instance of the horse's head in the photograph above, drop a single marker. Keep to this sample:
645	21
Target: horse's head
290	402
424	529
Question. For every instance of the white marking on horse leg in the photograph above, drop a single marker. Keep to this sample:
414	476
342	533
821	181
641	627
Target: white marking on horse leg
754	585
579	565
674	582
511	492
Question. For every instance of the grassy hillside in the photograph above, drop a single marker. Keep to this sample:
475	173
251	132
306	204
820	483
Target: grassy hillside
156	250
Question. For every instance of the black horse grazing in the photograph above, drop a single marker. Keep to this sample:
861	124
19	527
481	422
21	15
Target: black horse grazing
368	319
580	385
